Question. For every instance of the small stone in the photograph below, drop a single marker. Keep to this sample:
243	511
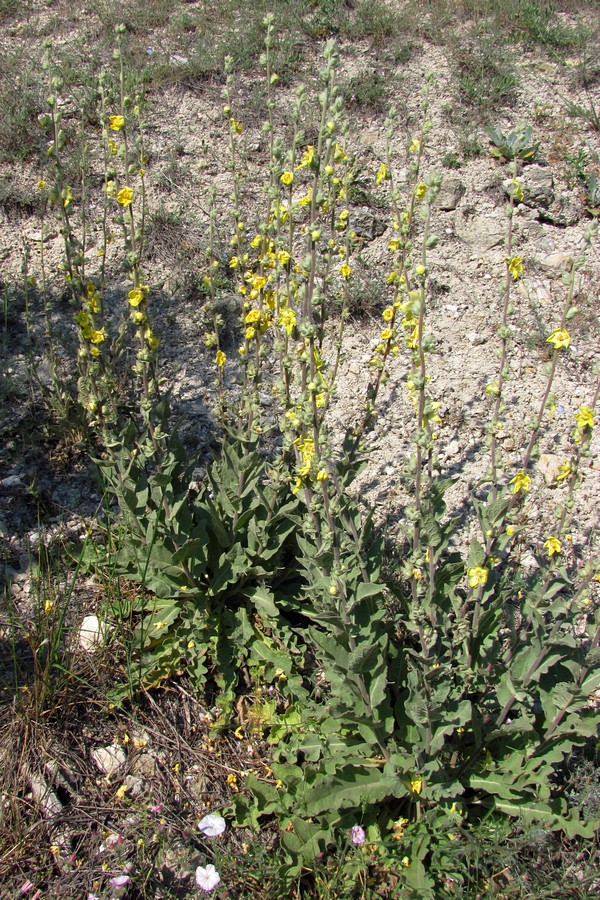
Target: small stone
389	470
528	561
452	450
37	237
366	224
144	765
109	759
566	210
538	186
549	466
556	263
11	483
90	633
476	338
134	785
450	194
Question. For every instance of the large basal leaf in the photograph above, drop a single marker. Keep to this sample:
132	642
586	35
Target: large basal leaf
352	787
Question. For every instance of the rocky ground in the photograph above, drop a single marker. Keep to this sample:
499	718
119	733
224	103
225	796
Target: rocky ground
186	141
48	493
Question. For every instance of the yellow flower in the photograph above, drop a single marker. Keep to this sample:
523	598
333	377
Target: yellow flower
559	338
416	784
48	607
41	184
345	270
306	200
252	317
235	126
405	861
116	123
585	418
510	530
234	262
135	297
564	471
415	146
420	191
381	174
287	318
96	337
340	154
287	178
478	575
521	482
307	157
515	265
387	334
153	341
232	779
322	475
125	196
283	257
517	190
220	359
121	792
250	333
388	314
552	546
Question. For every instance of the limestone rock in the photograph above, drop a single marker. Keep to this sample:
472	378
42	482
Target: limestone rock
109	759
450	194
556	263
366	224
549	466
538	186
90	634
566	210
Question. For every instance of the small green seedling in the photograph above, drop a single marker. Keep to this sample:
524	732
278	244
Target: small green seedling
515	145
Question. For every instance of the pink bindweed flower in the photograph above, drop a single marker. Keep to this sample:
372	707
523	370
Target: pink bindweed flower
114	840
26	887
358	835
212	825
120	881
207	878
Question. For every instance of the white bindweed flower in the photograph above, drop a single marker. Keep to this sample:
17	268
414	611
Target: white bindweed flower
207	878
212	826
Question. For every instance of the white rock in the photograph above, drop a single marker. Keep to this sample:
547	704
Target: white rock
549	466
11	482
476	338
555	263
109	759
528	561
90	633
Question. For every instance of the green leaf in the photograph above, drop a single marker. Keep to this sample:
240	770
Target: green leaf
352	787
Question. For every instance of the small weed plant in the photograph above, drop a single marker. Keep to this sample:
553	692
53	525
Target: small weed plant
403	710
